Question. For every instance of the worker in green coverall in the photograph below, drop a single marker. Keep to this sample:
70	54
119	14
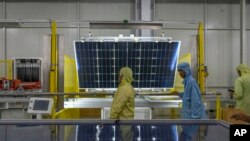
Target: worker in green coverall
123	105
242	88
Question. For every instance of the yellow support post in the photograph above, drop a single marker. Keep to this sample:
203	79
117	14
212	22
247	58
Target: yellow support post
6	69
53	68
201	66
218	105
9	71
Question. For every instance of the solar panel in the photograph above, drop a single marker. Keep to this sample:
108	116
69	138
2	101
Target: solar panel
140	132
153	63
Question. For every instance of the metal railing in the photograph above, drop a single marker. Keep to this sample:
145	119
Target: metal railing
69	130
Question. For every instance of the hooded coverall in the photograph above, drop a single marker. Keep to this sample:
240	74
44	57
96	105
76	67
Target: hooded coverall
123	105
192	106
242	88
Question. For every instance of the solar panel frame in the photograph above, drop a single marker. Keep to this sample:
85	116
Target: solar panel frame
98	63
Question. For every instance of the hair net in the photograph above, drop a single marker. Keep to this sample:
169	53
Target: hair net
243	69
127	73
185	67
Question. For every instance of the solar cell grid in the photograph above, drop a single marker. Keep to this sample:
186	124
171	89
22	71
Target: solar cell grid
153	64
140	133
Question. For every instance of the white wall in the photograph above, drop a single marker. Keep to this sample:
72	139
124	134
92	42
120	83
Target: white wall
2	49
2	9
222	36
25	42
108	11
222	57
41	10
179	12
220	16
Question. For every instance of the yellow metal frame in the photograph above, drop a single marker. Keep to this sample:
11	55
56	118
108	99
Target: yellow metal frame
68	114
53	68
218	107
64	113
202	69
201	61
54	61
8	68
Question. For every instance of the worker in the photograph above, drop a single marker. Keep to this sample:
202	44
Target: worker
240	116
192	105
242	88
123	105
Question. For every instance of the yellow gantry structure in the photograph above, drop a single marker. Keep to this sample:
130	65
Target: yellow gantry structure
54	60
53	67
202	70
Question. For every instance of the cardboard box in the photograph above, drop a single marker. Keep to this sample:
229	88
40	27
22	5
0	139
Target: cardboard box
226	114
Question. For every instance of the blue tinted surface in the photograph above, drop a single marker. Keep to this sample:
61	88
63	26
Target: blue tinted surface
140	133
153	64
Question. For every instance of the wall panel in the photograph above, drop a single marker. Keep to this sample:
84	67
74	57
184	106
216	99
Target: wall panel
223	16
70	34
106	11
1	10
2	46
24	42
247	16
222	54
41	10
179	12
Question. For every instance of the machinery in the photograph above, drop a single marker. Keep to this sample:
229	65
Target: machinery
18	85
27	75
6	84
40	106
28	69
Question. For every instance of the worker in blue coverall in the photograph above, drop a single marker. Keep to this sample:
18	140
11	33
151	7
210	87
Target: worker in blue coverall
192	105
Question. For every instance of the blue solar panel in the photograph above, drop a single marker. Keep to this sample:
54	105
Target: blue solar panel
139	132
153	63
